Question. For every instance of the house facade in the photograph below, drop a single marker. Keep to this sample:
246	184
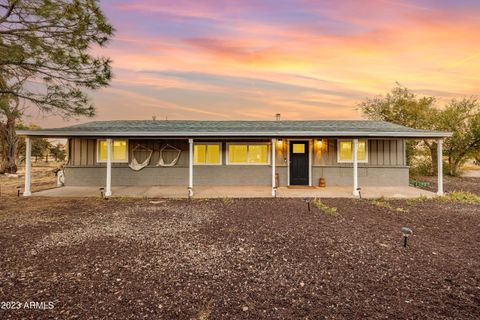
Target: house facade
246	153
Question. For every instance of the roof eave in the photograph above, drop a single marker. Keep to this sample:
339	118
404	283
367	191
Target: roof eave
66	134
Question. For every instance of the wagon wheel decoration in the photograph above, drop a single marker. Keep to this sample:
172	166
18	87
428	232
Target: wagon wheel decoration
168	148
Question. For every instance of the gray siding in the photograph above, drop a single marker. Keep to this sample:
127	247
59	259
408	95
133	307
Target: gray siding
380	153
367	176
386	166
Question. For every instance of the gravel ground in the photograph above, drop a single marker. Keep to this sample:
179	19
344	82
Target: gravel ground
239	259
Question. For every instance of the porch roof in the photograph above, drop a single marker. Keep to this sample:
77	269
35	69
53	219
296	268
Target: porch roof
194	128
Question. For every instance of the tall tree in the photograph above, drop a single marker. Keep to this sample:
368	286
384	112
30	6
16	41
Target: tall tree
40	148
462	117
58	151
8	139
401	106
46	60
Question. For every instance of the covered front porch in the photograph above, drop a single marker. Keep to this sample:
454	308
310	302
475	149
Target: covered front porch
205	192
274	178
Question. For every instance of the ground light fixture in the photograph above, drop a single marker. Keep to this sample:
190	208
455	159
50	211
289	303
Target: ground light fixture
19	190
359	192
102	192
406	233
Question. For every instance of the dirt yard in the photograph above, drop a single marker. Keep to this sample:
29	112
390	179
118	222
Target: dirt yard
468	184
42	178
238	259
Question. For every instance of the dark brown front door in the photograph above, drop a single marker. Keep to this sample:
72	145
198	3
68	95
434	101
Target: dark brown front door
299	163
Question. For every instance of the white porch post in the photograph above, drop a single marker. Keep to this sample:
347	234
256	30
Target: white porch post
310	154
274	187
28	157
355	167
108	188
440	166
190	167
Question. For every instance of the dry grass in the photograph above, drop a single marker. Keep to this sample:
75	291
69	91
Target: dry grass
42	178
323	207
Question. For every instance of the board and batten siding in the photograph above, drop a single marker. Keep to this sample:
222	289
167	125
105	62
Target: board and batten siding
386	165
84	152
381	152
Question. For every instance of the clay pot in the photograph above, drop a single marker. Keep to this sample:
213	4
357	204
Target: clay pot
322	183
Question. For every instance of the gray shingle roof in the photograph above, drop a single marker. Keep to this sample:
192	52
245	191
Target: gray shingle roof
188	128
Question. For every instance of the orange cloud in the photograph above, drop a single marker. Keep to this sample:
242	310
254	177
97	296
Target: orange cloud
305	59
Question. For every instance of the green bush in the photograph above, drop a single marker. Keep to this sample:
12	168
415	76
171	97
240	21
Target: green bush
421	168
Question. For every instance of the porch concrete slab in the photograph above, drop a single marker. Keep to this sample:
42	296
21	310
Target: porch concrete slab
232	192
398	192
119	191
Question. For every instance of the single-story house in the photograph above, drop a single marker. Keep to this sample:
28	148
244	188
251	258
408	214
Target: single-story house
248	153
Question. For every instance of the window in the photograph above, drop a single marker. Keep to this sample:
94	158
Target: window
207	153
298	148
119	150
248	153
345	151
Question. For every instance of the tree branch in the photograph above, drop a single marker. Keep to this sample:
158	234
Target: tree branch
9	11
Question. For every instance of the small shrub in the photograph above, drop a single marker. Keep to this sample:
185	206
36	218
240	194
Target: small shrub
421	168
413	201
381	203
322	206
460	197
227	200
419	184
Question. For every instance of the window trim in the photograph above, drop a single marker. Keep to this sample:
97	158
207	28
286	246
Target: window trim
269	148
206	151
113	161
351	161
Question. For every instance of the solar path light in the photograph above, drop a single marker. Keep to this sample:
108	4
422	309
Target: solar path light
308	203
406	233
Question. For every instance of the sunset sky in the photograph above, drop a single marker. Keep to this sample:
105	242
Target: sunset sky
304	59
